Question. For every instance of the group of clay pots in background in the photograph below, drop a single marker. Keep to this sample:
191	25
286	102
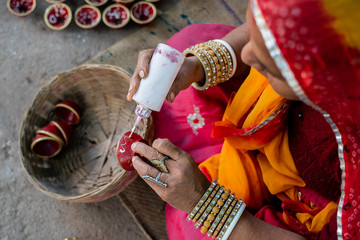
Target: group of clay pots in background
59	15
50	139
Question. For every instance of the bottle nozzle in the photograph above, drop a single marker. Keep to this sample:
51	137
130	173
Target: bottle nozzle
138	120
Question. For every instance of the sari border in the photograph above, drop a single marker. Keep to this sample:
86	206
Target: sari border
285	70
267	120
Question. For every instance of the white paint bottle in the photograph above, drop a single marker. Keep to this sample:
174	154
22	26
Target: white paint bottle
150	96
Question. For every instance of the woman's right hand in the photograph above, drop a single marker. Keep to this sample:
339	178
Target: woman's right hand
191	71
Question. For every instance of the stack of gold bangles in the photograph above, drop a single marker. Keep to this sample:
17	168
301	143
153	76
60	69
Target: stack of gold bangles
218	60
217	212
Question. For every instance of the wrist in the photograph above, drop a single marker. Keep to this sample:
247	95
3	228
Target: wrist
198	70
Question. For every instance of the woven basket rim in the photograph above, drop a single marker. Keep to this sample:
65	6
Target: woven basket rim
86	197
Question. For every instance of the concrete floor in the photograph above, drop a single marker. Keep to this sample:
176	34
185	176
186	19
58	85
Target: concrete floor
30	54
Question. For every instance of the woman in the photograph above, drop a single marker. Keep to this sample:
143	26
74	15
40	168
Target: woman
294	163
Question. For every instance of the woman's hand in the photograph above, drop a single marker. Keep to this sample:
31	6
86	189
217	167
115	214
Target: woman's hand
191	71
186	183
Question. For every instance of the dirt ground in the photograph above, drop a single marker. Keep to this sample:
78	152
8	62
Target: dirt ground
30	54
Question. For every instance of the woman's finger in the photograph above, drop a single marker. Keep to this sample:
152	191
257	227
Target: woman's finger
140	72
166	147
149	173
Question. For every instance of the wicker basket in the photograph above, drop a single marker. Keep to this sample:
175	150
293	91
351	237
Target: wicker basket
87	170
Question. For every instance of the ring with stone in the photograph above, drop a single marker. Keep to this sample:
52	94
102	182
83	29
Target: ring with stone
160	164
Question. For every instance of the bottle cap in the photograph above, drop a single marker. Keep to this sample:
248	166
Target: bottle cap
142	111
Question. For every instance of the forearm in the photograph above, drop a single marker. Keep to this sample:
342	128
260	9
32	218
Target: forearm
249	227
237	39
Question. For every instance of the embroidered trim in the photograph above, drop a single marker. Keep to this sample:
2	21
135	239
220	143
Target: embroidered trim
267	120
283	66
195	120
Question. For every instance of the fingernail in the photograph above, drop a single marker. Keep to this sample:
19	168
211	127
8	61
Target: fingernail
133	146
142	73
172	96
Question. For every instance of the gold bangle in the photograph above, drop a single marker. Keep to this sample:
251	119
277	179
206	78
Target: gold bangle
194	50
202	200
223	63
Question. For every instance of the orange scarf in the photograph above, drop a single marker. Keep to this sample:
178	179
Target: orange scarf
255	161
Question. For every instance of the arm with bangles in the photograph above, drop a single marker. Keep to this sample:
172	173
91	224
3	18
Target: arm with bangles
192	70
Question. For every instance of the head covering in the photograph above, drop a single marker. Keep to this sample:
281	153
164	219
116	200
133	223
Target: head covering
316	46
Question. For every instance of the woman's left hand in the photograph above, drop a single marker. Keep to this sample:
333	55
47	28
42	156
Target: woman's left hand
185	182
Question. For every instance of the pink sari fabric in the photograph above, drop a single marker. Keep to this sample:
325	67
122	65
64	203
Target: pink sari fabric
187	122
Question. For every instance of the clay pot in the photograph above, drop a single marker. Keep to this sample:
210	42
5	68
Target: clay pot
87	16
116	16
65	129
21	8
143	12
57	16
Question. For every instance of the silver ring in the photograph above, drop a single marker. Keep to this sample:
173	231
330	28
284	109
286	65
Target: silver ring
155	180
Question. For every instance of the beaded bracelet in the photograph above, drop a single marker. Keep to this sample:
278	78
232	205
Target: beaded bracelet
222	66
202	200
229	221
209	208
222	209
207	202
224	218
234	222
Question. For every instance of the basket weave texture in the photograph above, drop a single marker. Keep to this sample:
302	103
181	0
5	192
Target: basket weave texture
87	170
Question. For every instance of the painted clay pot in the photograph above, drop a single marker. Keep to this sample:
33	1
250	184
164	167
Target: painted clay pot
68	111
57	16
51	131
116	16
124	2
96	3
21	8
44	146
65	129
143	12
123	151
87	16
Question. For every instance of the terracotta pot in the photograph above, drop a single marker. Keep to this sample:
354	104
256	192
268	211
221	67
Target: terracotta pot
143	12
57	16
116	16
21	8
87	16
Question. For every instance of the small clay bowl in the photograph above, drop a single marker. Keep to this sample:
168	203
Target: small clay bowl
87	16
57	16
21	8
96	3
45	147
116	16
124	2
65	129
68	111
143	12
51	131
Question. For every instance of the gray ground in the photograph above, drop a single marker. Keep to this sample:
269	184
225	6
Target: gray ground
31	53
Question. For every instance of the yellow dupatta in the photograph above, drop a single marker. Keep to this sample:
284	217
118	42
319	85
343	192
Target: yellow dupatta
255	161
